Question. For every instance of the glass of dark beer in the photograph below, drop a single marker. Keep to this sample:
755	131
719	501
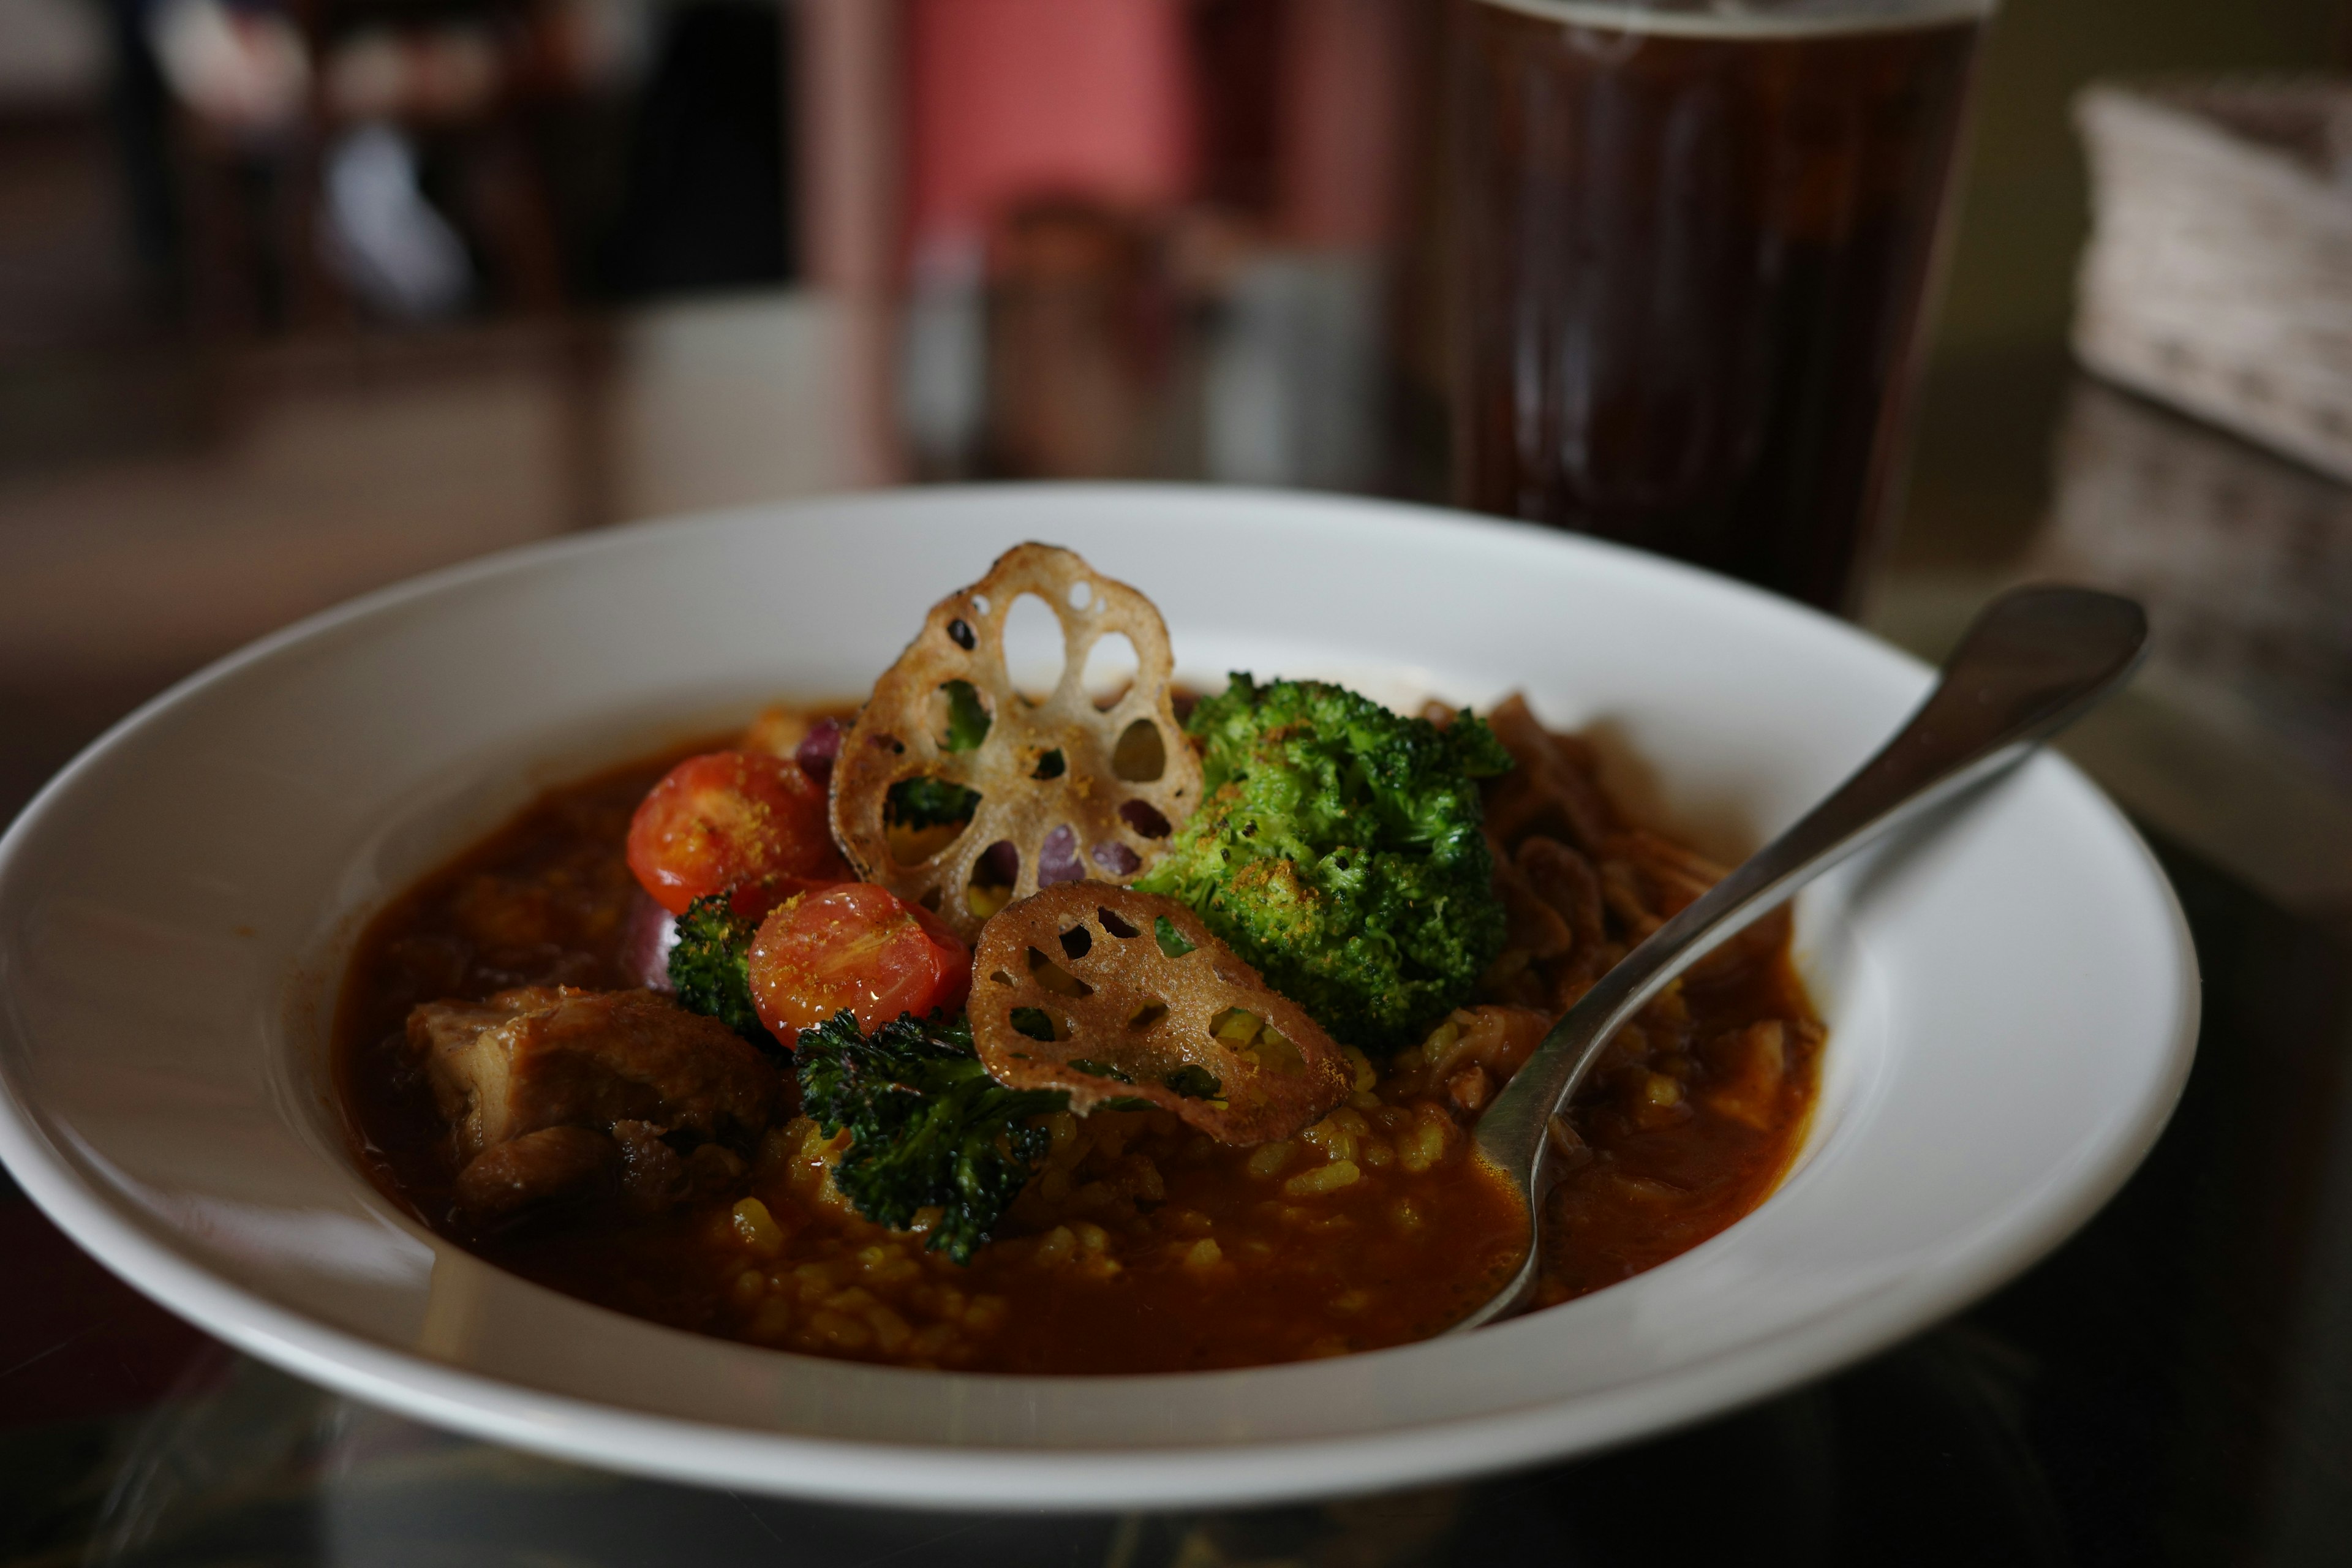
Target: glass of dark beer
1692	255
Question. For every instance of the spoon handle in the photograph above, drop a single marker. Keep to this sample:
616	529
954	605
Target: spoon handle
2034	660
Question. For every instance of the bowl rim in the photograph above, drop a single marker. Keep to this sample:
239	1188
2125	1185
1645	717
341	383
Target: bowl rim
55	1172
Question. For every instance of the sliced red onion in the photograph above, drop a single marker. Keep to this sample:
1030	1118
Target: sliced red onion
1057	859
818	748
1117	860
648	934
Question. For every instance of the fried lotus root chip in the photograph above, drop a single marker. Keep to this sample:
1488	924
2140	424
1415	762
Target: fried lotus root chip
1075	791
1112	993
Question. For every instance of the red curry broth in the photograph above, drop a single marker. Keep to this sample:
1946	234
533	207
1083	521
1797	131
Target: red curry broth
1142	1246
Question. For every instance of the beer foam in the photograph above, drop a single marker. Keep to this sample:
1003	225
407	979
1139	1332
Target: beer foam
1751	18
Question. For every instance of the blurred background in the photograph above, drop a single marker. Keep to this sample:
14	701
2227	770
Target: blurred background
298	297
302	297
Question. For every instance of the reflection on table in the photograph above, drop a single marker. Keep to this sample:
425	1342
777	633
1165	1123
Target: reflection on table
238	1463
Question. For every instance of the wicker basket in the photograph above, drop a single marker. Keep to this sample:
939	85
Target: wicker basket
2242	558
2219	275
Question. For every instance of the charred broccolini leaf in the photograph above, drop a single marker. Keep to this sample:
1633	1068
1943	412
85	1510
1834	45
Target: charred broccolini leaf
1336	847
1195	1081
967	720
929	802
929	1128
709	967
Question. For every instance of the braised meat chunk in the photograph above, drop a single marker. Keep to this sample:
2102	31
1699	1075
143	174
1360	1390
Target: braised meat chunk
542	1164
508	1072
542	1057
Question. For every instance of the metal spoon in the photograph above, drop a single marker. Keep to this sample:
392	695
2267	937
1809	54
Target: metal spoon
2034	661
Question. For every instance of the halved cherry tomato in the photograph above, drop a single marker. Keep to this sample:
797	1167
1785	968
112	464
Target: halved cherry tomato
753	900
727	818
859	947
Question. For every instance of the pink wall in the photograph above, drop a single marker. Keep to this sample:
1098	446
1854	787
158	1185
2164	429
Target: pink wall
1013	97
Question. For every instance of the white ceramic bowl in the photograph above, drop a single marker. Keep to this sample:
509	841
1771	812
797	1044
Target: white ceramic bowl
2012	998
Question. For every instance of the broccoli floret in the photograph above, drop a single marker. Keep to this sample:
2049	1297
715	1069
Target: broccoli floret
929	1128
1336	847
710	966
